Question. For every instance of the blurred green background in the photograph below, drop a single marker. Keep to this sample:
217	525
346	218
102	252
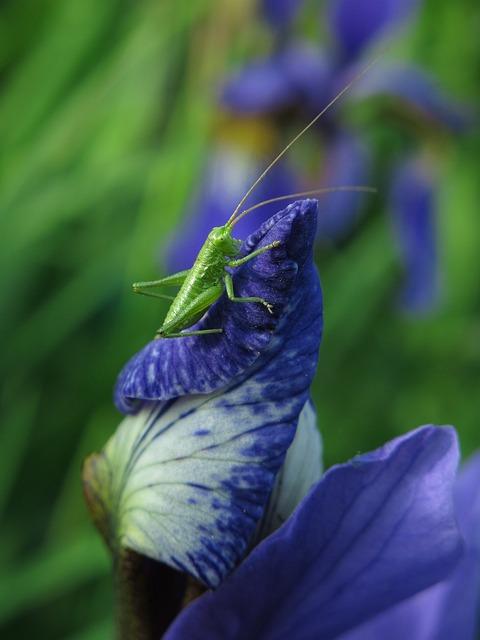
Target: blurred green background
106	111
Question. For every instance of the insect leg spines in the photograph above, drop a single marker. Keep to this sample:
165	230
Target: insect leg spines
233	298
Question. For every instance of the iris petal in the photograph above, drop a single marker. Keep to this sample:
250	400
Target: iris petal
300	471
371	533
259	87
450	608
347	162
413	210
356	23
417	90
280	13
252	337
299	76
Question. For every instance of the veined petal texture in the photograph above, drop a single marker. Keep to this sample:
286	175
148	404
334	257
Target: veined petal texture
186	480
300	471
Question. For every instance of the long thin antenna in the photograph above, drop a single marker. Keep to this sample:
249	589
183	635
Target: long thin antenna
299	135
312	192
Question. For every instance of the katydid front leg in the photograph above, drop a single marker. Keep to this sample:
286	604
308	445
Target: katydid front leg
233	298
254	254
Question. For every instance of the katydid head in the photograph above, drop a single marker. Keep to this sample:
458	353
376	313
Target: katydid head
222	238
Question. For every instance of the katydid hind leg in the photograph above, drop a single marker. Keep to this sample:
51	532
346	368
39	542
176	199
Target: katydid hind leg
233	298
191	313
150	294
173	280
186	334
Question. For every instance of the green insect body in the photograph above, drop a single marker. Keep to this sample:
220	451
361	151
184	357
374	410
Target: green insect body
203	284
206	281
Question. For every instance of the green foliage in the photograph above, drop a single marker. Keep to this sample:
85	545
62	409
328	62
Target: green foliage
105	113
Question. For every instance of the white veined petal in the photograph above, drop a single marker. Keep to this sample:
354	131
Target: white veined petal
301	470
186	482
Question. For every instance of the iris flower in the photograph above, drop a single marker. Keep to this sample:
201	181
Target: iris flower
450	609
216	474
297	80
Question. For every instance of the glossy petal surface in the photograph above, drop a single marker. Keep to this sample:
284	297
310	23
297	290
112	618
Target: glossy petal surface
253	340
417	90
356	23
413	209
370	534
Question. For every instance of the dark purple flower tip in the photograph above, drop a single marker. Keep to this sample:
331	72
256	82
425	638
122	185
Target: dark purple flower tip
450	608
347	162
413	211
357	23
252	336
280	13
417	91
371	533
298	76
230	172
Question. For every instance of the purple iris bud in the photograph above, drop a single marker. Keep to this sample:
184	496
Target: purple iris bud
187	477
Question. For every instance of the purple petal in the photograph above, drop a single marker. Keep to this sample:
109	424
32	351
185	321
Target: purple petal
356	23
280	13
449	609
370	534
418	91
413	209
252	337
259	87
299	76
229	174
347	162
311	74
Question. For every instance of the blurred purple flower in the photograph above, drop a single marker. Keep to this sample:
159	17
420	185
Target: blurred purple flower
280	13
368	535
413	211
299	78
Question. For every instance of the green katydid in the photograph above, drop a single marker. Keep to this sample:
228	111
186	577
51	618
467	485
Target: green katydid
204	283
